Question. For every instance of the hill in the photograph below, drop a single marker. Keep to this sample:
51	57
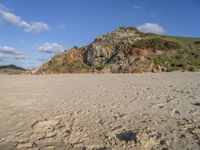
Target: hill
127	50
11	69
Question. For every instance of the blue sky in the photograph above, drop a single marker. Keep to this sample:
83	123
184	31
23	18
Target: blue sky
32	31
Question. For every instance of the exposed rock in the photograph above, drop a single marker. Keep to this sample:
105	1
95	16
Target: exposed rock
98	55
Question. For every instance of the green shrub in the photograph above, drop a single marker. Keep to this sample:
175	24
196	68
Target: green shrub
197	42
156	44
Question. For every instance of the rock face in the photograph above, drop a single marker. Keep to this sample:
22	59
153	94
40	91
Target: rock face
125	50
107	46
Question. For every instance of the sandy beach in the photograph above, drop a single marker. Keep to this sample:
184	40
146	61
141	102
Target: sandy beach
100	111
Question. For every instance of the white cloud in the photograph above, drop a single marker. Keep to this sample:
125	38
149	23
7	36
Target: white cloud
20	57
37	27
8	52
51	48
10	18
15	20
2	57
151	28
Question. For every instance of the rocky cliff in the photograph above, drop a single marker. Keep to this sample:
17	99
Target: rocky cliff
126	50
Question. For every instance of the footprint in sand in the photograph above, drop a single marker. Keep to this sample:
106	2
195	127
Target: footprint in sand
160	105
196	104
175	111
45	125
169	100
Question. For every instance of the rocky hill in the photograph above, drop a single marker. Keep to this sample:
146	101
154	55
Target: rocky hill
126	50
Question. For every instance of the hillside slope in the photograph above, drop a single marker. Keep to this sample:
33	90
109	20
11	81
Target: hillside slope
11	69
126	50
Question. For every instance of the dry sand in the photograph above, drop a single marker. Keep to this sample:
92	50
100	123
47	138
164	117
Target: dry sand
100	112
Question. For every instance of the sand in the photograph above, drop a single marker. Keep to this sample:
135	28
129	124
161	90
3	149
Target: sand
100	112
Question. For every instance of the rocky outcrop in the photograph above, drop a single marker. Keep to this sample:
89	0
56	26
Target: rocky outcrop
107	46
125	50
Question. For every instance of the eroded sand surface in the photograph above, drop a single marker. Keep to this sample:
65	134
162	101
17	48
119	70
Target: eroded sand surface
100	112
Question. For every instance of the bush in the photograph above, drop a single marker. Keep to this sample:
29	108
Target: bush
197	42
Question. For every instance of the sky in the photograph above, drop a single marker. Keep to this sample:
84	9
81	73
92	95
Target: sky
32	31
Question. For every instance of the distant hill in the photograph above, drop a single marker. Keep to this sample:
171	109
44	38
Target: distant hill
11	69
127	50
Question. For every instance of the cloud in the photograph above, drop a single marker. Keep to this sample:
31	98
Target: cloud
8	52
12	19
37	27
151	28
2	57
20	57
51	48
